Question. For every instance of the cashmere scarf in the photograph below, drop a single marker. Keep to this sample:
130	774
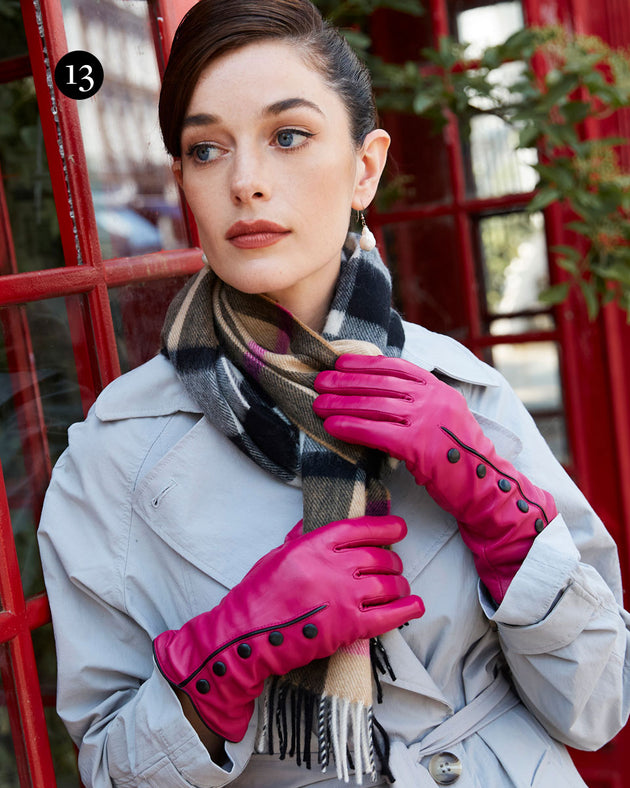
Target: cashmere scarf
251	367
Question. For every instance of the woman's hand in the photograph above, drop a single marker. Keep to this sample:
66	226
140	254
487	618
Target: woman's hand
300	602
392	405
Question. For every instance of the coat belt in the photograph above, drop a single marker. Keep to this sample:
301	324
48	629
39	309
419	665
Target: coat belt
404	761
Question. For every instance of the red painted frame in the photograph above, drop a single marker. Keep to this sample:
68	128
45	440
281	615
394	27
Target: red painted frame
93	340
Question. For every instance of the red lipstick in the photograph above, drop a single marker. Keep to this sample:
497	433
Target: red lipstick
255	235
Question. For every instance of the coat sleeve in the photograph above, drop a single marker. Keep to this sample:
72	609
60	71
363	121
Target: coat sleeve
562	626
122	715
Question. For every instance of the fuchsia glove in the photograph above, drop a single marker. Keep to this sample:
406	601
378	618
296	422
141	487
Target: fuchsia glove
300	602
393	405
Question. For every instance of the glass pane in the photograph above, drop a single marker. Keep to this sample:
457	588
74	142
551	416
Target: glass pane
515	269
39	399
495	165
423	257
26	183
9	777
486	24
138	311
61	746
135	196
399	37
533	370
12	33
417	164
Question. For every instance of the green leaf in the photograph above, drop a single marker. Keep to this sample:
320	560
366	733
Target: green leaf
359	41
543	198
580	227
528	136
567	251
615	273
555	294
422	102
590	297
412	7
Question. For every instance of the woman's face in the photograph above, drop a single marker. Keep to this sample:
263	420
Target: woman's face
271	174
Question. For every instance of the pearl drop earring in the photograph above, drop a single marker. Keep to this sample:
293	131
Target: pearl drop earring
367	242
204	259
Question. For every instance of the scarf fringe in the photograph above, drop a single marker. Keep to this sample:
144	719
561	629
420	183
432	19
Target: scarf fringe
347	732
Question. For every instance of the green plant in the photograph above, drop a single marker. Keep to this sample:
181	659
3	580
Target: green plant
564	83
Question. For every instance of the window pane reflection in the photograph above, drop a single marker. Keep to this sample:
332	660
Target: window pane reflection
8	766
39	399
11	33
423	258
496	165
138	311
486	24
61	747
29	234
135	196
515	270
533	370
417	164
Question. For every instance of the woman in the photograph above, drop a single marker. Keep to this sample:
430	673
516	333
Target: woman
204	638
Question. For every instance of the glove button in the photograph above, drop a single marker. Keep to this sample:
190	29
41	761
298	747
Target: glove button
309	631
203	687
276	638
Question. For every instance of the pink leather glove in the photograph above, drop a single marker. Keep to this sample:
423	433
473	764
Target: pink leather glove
300	602
393	405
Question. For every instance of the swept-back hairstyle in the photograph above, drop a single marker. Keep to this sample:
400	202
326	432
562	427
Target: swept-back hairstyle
213	27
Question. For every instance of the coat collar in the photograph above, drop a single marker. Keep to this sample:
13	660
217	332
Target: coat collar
154	389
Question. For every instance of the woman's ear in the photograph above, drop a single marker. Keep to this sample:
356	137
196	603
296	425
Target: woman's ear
176	169
372	158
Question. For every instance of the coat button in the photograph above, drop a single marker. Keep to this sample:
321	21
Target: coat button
445	768
276	638
504	485
453	455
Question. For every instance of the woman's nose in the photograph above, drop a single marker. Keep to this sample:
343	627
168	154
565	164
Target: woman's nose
249	179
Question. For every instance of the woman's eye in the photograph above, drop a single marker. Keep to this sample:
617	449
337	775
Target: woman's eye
203	153
291	138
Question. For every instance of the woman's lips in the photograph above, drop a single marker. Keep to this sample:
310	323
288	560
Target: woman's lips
255	235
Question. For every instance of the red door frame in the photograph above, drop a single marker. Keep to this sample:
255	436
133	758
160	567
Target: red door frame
93	338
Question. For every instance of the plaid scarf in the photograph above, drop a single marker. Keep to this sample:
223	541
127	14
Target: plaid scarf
251	367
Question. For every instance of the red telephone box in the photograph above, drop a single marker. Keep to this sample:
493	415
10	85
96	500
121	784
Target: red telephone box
94	241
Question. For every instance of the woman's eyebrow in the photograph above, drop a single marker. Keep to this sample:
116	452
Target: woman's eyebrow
277	108
200	119
290	103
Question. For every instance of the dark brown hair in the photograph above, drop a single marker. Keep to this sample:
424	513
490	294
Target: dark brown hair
213	27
